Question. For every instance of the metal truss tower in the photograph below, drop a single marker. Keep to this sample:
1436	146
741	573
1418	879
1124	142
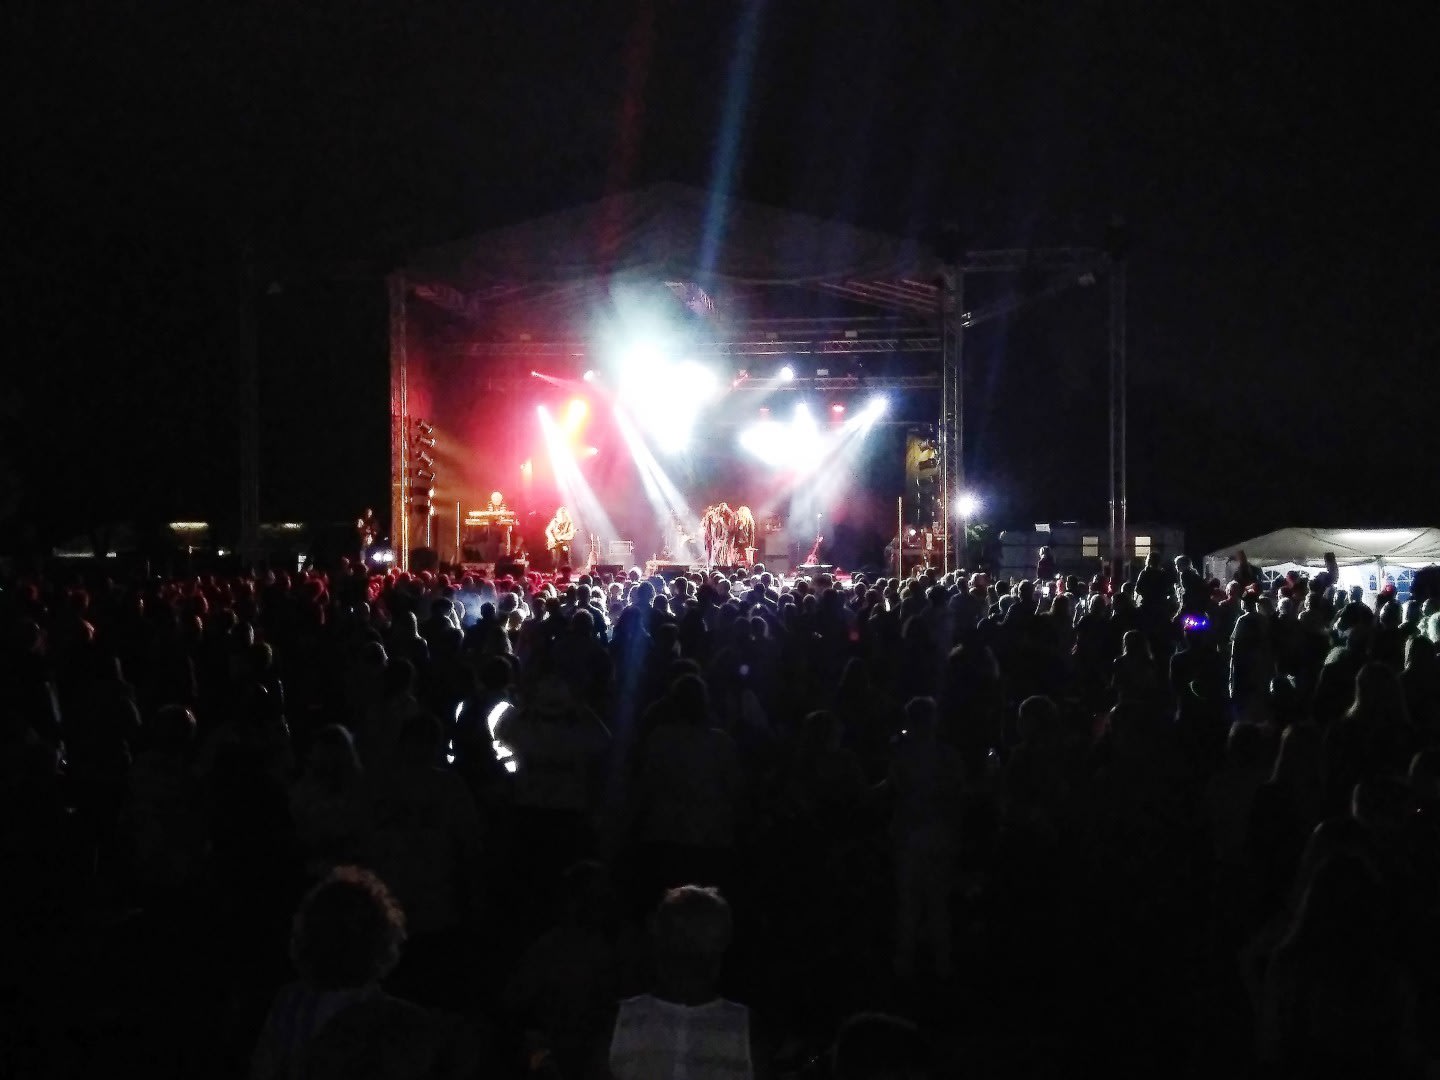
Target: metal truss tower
1068	267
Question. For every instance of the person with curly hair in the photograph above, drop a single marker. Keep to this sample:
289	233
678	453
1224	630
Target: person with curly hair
345	939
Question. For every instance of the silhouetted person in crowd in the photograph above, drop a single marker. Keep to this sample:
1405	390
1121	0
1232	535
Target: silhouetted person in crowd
378	733
564	988
925	783
1136	679
162	814
1245	575
683	1027
1252	662
688	789
330	804
1336	1002
1153	585
346	938
1045	567
1374	738
873	1046
1194	591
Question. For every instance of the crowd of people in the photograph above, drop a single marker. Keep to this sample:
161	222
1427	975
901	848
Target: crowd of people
342	823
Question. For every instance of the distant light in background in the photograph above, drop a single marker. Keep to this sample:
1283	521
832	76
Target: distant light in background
967	504
787	374
589	376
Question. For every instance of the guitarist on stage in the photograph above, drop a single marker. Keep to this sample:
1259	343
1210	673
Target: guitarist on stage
558	536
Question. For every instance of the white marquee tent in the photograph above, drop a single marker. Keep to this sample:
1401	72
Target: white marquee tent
1365	556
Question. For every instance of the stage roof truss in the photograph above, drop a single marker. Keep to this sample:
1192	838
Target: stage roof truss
837	338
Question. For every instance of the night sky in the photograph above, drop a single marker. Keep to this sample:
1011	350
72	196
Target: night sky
1270	159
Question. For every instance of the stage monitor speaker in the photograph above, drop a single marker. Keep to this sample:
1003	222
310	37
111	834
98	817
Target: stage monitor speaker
515	568
422	559
816	568
615	570
672	570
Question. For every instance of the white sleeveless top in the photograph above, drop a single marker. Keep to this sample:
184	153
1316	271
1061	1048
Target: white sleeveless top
659	1040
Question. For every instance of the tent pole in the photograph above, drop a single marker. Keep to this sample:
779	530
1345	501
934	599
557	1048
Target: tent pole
1124	412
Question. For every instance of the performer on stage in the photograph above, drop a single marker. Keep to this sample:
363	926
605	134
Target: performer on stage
813	559
718	525
745	535
682	548
711	527
558	536
366	530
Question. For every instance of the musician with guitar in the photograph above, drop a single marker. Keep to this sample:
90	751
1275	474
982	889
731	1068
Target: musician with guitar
559	534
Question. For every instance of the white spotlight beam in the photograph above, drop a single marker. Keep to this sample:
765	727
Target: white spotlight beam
586	508
664	496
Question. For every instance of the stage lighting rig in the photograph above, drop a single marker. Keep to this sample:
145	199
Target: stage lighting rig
420	478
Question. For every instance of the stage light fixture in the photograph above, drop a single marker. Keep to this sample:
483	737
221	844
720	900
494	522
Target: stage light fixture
589	376
420	474
967	505
787	374
838	409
